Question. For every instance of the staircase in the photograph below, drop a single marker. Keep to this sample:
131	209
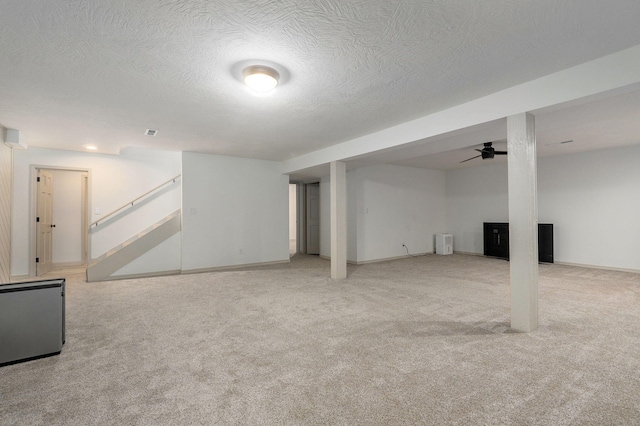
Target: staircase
104	266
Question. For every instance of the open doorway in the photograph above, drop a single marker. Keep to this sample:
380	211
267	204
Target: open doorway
61	219
307	217
312	213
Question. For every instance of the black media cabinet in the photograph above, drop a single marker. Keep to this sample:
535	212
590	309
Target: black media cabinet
496	241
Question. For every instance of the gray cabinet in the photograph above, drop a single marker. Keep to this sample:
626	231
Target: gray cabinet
32	320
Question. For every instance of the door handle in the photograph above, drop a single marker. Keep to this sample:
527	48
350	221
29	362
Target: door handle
53	226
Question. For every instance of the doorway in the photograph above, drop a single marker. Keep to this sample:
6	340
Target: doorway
313	218
304	218
308	218
61	219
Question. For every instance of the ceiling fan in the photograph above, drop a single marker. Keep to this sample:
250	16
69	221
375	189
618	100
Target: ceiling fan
487	152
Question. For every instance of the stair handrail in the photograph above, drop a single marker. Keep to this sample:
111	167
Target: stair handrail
131	203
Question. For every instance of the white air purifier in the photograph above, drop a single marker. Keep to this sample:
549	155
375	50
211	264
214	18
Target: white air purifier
444	244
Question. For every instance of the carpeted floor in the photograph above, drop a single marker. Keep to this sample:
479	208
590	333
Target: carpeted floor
423	340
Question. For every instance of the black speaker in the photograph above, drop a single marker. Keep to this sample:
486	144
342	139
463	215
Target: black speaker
496	241
545	242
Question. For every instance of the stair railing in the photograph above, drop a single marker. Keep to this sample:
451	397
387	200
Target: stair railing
132	202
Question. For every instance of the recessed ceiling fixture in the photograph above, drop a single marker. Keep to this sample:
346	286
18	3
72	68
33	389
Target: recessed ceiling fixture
150	132
260	78
91	147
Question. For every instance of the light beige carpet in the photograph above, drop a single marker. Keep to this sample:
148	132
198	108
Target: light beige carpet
422	340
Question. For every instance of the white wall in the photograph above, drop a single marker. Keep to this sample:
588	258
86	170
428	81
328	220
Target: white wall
115	180
235	212
6	176
67	216
473	196
396	205
353	186
592	198
325	218
387	206
293	208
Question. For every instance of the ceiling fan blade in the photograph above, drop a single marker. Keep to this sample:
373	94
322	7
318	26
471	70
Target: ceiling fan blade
500	152
464	161
479	150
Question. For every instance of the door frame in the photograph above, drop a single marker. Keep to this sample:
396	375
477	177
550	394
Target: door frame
33	211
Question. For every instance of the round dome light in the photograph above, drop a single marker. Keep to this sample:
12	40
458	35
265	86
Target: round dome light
260	78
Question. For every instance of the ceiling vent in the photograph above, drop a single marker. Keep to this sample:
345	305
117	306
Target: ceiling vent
150	132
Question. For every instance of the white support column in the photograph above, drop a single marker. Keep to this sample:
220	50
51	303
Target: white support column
523	221
338	220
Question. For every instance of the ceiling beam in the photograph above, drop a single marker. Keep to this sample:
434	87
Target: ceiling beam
611	72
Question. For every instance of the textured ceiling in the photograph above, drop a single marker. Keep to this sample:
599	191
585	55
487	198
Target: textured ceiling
101	72
599	123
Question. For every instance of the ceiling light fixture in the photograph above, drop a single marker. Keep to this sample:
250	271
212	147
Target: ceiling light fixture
91	147
260	78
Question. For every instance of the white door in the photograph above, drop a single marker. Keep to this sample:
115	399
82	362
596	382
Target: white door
313	218
44	223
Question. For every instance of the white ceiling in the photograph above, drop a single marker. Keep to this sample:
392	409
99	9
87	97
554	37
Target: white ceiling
95	72
599	122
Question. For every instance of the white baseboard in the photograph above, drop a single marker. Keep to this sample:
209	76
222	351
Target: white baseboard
142	275
606	268
384	259
64	265
387	259
468	253
17	278
579	265
233	267
195	271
